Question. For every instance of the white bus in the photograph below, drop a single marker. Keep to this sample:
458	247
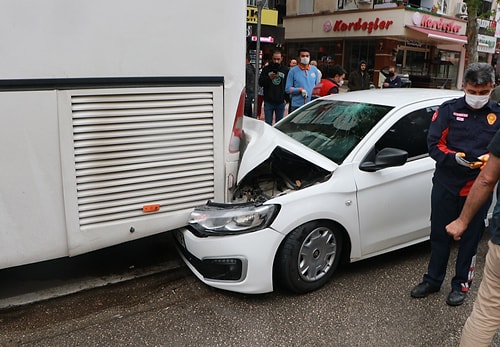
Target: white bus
117	117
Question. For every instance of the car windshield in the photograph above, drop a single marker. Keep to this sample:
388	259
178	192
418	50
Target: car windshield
331	127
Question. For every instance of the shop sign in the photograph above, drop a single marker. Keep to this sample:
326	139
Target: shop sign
359	25
268	17
486	27
268	39
431	22
413	43
486	44
484	23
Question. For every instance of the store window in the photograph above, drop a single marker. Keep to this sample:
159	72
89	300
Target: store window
323	52
441	6
428	67
447	64
413	60
357	50
425	4
306	6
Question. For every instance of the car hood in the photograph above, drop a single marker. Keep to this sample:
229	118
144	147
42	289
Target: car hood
262	139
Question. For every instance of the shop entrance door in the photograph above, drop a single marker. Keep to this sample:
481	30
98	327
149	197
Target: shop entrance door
356	50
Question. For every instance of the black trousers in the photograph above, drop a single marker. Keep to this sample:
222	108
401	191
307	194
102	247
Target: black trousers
445	208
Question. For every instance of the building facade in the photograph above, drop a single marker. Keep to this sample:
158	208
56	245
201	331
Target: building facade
272	33
427	42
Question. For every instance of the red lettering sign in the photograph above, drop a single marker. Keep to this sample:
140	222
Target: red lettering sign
367	26
441	24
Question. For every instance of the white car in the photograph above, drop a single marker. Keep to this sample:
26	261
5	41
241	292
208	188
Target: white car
344	178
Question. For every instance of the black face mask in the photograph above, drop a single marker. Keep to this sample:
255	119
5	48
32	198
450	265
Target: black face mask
391	74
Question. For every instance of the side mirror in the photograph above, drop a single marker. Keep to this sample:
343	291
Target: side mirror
387	157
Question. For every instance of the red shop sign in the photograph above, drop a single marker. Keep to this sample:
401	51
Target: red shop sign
426	21
358	25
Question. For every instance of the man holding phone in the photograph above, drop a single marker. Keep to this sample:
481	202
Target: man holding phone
458	139
273	79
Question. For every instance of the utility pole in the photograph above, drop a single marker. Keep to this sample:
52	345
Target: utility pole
260	5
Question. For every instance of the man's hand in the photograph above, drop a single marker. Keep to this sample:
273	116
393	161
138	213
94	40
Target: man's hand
456	228
460	158
304	93
484	159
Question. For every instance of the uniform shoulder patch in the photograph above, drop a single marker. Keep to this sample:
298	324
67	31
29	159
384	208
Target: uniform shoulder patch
435	115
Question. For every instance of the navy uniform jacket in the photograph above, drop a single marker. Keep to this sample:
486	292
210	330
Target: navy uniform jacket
455	127
396	82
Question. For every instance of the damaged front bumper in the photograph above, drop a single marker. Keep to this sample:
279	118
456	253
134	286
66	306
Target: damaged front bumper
241	263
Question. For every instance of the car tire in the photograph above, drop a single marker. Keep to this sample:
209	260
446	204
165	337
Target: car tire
308	257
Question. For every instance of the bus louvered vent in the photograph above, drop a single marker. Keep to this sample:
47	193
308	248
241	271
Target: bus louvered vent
133	150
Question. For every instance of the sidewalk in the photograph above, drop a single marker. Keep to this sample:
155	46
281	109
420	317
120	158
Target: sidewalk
50	279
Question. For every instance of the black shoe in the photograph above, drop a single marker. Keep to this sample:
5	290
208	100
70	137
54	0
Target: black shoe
456	297
423	289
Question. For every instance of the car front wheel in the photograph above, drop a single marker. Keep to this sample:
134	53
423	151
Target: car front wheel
308	257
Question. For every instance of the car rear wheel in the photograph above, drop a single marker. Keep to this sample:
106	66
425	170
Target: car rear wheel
308	257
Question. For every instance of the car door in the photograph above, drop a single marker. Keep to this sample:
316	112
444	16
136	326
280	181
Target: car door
394	203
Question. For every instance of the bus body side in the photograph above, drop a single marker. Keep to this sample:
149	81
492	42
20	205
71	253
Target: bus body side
116	119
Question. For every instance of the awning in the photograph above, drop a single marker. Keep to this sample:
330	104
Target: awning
440	35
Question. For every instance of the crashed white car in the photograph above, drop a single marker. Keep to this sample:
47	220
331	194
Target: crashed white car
344	178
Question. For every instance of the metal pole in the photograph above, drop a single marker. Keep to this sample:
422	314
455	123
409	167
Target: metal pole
260	5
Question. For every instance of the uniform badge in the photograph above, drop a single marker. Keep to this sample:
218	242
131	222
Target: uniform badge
434	116
492	118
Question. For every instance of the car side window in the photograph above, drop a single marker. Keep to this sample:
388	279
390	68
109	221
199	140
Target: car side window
409	133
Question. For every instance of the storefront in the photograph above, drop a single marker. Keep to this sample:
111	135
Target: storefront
487	41
428	47
272	36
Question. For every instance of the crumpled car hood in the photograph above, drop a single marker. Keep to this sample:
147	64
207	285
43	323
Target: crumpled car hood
263	139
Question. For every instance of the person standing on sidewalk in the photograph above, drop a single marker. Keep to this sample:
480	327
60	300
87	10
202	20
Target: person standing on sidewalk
495	218
393	80
483	322
460	129
272	79
301	80
359	79
315	63
249	87
334	79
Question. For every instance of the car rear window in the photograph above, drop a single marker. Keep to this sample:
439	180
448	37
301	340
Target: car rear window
331	127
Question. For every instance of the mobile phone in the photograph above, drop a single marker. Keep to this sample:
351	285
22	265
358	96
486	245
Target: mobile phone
470	159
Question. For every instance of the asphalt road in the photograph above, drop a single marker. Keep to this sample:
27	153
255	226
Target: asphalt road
366	304
50	279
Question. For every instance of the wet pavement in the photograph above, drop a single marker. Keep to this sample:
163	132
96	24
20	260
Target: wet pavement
51	279
366	304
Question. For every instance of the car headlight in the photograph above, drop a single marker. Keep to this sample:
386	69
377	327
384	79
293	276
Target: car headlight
228	219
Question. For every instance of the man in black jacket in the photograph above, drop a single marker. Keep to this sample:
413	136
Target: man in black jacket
249	87
273	80
359	79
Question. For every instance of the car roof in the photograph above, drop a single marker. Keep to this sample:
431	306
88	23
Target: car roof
396	96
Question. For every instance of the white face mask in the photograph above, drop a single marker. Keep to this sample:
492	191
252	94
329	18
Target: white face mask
304	60
476	101
340	83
